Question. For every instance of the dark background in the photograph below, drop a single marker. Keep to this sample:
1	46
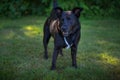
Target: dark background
19	8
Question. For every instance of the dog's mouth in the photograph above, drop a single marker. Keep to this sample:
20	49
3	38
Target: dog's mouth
65	34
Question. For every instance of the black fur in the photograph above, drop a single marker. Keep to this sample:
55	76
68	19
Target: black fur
62	24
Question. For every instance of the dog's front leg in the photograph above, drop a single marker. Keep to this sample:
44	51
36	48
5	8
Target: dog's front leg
54	58
73	55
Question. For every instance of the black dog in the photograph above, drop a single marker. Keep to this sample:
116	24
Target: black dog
65	27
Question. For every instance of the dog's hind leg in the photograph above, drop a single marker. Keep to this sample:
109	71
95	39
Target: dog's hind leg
60	52
46	39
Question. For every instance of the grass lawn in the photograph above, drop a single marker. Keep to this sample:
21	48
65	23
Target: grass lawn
21	51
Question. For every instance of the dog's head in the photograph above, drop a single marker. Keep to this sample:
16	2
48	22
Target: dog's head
68	19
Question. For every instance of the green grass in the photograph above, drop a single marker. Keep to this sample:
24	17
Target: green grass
21	51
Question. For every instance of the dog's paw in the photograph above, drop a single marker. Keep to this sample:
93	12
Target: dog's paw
45	57
75	66
52	68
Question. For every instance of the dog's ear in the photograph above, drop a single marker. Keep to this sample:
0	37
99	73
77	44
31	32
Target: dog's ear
77	11
58	11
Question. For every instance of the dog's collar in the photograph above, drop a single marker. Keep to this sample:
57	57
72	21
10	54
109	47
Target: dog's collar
66	42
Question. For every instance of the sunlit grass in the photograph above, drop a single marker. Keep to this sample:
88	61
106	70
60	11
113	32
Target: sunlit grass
109	59
32	30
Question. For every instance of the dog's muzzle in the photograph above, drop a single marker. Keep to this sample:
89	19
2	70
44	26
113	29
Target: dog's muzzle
65	34
64	31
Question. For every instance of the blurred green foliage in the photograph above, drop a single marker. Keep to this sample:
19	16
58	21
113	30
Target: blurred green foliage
18	8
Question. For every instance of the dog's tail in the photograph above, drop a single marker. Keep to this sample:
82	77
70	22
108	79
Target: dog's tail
55	4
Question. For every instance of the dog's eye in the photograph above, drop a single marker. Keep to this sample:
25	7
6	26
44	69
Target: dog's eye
68	18
62	19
